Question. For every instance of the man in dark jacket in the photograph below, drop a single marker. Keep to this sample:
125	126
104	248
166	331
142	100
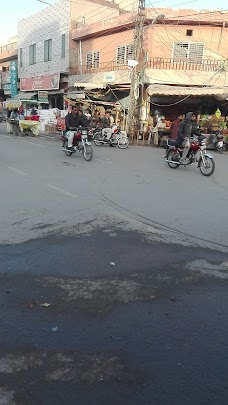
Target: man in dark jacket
72	122
106	125
84	122
186	130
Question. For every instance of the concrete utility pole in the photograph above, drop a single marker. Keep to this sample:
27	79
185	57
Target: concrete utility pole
139	55
137	50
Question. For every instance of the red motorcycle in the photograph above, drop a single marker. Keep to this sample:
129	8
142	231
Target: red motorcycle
197	153
80	144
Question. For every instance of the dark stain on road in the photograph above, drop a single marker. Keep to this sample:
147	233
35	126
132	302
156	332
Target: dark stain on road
130	321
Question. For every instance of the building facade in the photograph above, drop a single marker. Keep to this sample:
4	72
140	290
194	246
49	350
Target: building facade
43	52
186	55
46	52
8	59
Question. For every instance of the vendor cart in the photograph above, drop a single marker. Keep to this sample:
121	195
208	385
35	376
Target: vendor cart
29	127
30	124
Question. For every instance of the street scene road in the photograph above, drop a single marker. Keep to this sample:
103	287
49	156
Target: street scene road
113	277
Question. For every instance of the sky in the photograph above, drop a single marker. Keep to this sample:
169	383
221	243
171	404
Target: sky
13	11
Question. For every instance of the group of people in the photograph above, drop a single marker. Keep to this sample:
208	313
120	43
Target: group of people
158	130
181	130
76	118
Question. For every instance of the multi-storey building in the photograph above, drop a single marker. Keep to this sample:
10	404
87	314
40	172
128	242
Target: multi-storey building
46	50
186	56
8	55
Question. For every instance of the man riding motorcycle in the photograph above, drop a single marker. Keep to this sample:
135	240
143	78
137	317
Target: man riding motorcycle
186	130
72	121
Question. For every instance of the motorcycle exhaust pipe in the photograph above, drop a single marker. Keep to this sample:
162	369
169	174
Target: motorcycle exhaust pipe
172	161
68	150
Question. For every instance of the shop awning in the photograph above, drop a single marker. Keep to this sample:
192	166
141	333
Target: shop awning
25	95
90	85
163	90
76	95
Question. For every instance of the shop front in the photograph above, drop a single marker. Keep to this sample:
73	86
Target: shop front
209	103
46	88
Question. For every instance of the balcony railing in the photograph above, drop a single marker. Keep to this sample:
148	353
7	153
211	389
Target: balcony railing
7	48
207	65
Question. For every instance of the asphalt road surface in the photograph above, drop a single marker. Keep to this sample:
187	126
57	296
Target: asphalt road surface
113	277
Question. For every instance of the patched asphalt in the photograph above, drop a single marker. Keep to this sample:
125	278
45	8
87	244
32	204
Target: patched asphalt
129	322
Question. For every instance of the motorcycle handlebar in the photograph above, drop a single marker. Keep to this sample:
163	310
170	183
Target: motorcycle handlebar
78	129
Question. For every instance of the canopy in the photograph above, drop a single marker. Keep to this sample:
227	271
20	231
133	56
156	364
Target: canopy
25	95
165	90
90	85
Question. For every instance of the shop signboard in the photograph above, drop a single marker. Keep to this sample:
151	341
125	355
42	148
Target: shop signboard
50	82
109	77
6	86
13	78
43	96
6	77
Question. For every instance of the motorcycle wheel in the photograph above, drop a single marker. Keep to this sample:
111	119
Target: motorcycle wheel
88	152
209	167
123	142
65	144
171	154
220	150
96	140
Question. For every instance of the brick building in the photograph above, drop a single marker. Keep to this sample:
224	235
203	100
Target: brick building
186	55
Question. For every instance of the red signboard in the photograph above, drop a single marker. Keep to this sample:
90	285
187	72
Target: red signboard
50	82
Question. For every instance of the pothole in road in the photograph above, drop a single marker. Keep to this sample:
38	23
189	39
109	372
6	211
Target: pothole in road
205	268
99	295
10	363
6	397
28	370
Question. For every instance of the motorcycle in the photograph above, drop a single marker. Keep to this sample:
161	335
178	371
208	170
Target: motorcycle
80	144
94	131
197	153
218	142
118	137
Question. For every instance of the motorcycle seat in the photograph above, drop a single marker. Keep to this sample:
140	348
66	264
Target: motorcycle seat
171	142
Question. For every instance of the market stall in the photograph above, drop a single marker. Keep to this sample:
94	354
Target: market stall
29	126
115	108
210	124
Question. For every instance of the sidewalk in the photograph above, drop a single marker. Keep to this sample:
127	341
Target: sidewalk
42	134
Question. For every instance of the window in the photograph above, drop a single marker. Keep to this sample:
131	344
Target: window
21	57
48	50
191	52
189	33
32	54
124	53
63	46
92	60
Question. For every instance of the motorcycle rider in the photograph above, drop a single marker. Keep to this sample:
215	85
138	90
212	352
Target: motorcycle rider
106	126
72	121
14	117
186	130
84	122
